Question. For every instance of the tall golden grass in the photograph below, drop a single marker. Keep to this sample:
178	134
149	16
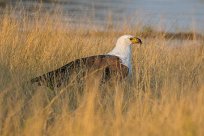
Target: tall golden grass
164	97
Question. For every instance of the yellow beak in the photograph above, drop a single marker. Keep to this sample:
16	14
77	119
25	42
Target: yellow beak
136	40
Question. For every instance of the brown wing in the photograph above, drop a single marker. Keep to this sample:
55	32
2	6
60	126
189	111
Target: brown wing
110	65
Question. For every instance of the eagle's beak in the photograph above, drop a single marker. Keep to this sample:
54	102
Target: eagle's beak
136	40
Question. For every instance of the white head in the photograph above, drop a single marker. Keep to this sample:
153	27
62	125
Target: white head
127	40
123	48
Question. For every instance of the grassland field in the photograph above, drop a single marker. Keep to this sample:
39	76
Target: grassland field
165	96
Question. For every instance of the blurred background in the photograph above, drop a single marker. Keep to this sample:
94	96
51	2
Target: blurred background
166	15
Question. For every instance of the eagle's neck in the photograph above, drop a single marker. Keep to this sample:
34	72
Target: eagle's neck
124	53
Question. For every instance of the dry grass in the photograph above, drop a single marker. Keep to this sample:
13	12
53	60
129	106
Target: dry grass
165	96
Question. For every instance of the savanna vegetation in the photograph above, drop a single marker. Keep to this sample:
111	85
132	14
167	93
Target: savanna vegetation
165	95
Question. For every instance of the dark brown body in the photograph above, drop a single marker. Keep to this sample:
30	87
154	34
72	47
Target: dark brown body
106	67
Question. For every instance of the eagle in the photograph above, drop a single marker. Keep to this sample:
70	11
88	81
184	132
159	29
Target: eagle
116	63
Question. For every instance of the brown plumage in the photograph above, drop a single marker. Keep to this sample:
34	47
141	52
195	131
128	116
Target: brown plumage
107	66
115	65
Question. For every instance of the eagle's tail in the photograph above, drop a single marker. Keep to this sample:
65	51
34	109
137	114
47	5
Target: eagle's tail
36	80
